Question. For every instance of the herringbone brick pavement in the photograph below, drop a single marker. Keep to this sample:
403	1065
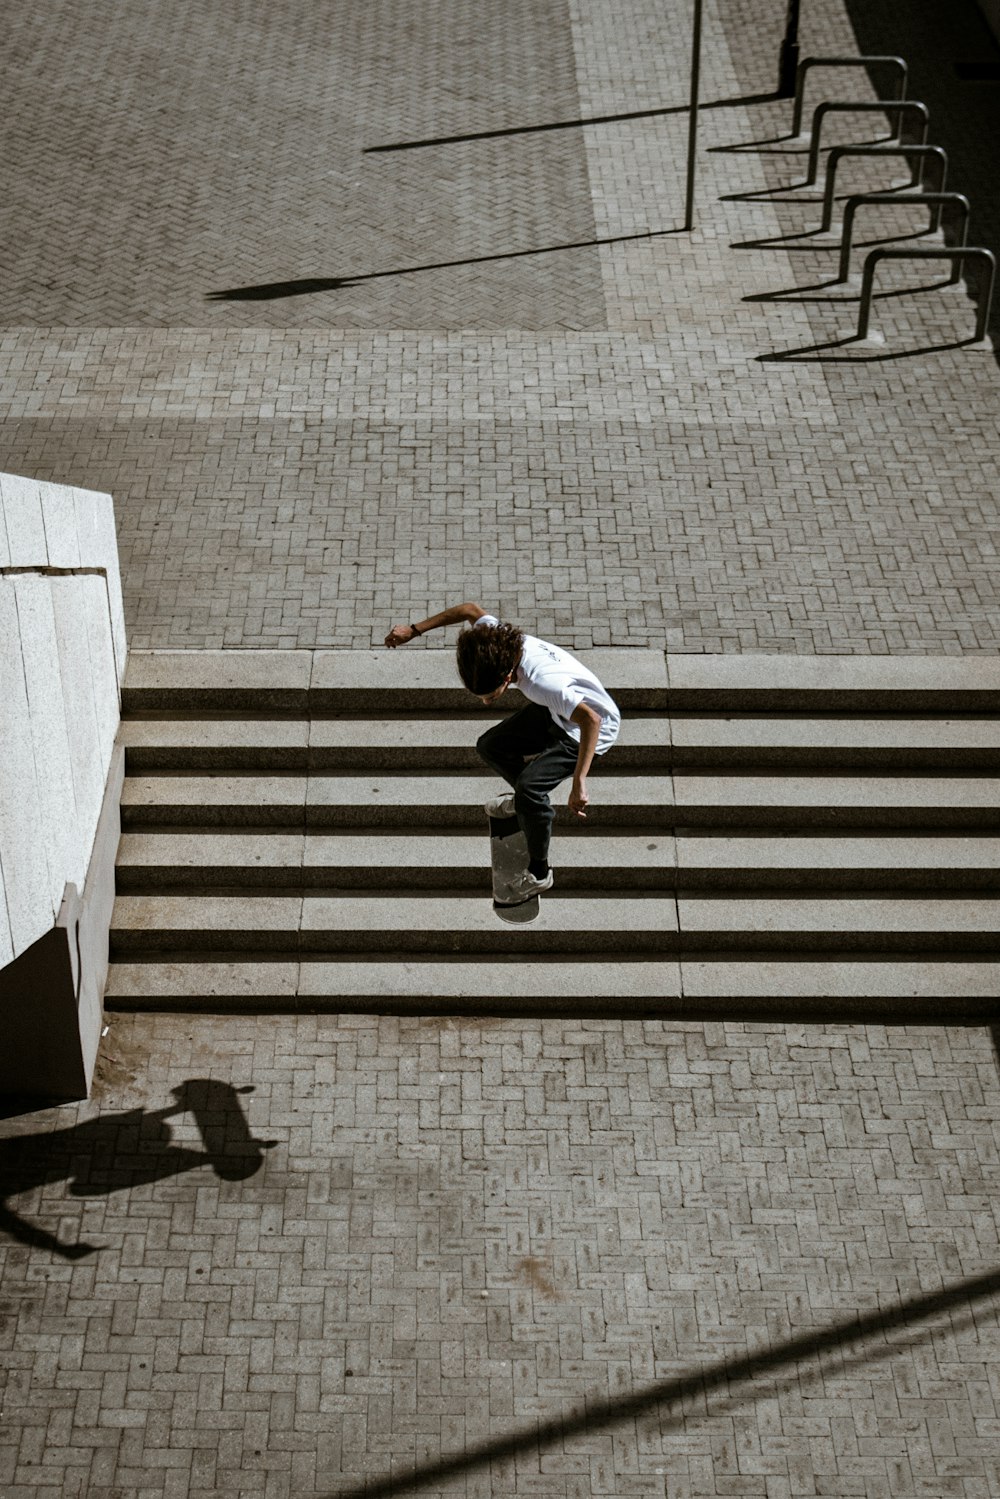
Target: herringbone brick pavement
700	473
158	154
464	1229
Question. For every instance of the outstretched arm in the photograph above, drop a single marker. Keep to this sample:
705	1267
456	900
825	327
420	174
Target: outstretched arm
458	613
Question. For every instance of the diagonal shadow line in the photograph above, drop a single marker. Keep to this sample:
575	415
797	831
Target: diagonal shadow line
272	289
670	1391
813	353
632	114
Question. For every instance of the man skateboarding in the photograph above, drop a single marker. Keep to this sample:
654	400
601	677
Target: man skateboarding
570	718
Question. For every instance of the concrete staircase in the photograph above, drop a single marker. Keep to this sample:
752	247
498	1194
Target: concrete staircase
772	838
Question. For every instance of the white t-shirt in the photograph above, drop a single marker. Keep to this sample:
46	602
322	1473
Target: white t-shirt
558	681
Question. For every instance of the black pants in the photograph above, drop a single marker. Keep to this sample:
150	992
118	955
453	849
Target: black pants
531	731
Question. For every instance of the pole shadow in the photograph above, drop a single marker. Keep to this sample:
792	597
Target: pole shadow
117	1151
270	290
765	1364
578	124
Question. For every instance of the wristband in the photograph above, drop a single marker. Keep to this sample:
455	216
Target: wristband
414	629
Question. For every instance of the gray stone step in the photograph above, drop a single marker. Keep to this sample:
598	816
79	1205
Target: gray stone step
841	684
879	926
831	744
469	987
387	925
408	745
686	802
369	802
878	865
797	803
650	743
376	682
424	677
637	925
844	992
377	861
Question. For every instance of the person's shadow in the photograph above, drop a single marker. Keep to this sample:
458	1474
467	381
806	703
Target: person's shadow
130	1149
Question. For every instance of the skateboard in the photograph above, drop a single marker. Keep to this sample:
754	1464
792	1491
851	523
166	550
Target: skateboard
509	858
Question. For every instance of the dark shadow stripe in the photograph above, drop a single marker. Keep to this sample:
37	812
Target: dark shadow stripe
633	114
600	1414
307	286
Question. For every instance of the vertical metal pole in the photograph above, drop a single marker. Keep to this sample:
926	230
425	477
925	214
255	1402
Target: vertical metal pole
788	58
693	113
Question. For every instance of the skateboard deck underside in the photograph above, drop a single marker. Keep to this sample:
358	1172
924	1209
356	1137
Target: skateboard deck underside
509	858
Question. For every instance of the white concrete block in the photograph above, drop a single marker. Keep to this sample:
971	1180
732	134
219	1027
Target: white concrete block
95	522
47	722
21	502
70	599
103	672
62	540
24	869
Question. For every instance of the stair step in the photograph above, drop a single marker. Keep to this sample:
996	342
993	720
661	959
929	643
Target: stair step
832	744
423	678
372	682
372	801
147	861
877	925
316	925
896	864
797	803
789	803
952	993
415	745
321	744
373	925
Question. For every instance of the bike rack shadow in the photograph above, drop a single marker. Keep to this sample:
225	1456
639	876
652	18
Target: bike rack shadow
118	1151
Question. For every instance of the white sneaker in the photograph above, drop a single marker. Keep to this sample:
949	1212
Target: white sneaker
501	806
525	886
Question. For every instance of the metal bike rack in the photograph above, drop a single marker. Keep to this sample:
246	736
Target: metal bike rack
839	62
898	107
955	255
935	201
916	154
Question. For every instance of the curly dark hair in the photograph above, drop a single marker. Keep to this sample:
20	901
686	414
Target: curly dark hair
486	654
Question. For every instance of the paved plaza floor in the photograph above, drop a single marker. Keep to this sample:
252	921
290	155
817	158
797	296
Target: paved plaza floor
332	387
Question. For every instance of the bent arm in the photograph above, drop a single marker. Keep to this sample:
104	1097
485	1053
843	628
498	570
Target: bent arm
588	720
457	614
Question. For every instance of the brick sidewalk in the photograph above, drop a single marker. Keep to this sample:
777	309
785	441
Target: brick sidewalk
467	1228
600	442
